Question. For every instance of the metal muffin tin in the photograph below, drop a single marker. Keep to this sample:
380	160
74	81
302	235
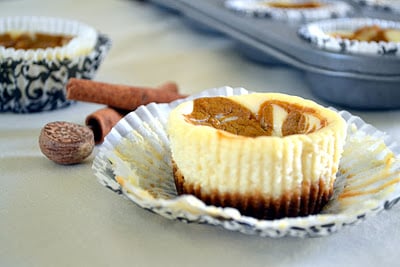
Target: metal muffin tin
348	80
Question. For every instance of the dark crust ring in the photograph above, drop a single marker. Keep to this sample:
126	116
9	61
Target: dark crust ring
310	200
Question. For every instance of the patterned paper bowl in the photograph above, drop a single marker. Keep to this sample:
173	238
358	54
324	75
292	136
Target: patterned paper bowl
380	5
324	35
291	11
135	161
34	80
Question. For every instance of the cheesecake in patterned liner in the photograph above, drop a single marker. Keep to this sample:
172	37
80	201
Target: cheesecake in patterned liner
135	161
33	78
380	5
354	35
292	10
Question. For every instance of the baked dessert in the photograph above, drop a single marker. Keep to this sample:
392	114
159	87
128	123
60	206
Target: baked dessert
295	5
354	36
269	155
291	10
33	40
50	51
371	33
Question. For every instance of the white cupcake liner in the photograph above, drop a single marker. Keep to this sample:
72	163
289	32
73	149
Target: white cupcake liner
83	42
318	34
258	8
384	5
135	161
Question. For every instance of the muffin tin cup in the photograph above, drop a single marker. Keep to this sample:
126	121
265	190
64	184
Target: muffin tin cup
320	34
35	80
355	92
256	55
260	8
387	6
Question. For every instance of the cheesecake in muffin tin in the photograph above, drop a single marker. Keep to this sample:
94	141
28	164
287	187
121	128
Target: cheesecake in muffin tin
292	10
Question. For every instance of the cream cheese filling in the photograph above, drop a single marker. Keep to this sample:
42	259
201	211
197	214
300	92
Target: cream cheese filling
215	160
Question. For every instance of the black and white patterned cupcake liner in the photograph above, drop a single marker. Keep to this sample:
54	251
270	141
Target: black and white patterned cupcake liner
35	80
319	34
381	5
260	8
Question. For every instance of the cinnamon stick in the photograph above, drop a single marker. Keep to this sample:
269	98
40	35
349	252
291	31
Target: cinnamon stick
118	96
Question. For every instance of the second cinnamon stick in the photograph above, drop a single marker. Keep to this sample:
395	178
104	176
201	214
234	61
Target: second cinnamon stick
120	96
102	121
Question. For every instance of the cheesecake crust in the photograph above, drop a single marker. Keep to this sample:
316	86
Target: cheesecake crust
307	200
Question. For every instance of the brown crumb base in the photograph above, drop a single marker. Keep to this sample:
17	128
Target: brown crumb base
309	201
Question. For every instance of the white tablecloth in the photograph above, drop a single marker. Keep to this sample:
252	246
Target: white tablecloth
52	215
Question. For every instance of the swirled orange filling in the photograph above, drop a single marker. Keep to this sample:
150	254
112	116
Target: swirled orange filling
295	5
27	41
227	115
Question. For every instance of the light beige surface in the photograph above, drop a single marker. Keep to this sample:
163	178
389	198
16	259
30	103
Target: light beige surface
53	215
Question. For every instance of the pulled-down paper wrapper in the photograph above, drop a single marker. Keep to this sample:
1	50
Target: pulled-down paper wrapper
135	161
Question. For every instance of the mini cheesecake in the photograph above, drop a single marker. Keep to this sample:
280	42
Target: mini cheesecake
372	33
294	5
29	40
268	155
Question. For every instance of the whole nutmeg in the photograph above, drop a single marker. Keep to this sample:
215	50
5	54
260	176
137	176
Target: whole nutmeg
65	142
